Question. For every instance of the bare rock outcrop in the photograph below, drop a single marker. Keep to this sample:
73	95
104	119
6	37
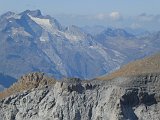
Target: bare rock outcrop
123	98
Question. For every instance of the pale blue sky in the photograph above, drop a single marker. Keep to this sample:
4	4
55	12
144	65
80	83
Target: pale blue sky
130	7
104	12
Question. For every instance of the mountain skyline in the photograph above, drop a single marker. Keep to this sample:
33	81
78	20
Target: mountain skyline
109	13
41	43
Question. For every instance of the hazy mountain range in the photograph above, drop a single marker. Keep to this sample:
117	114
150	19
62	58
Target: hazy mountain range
30	41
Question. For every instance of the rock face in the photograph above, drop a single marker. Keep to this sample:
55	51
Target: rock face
123	98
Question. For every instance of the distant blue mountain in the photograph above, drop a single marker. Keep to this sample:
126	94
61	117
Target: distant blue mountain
6	80
30	41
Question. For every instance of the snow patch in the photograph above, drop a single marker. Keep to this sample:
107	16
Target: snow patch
44	23
44	39
91	46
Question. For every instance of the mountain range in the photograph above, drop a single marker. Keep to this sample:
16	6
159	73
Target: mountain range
130	93
30	41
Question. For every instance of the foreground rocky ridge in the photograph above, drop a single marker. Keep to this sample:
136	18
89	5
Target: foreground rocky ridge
133	98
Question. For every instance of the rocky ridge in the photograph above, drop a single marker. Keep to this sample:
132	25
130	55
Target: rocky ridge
123	98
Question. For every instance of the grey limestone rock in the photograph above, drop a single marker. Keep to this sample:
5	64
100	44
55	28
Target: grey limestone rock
125	98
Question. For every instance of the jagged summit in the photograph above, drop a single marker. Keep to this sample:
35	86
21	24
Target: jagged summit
145	66
34	13
38	14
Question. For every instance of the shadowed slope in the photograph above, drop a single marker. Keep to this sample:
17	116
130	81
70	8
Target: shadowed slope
147	65
6	80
